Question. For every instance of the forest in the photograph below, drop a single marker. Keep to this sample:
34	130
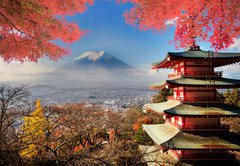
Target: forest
79	133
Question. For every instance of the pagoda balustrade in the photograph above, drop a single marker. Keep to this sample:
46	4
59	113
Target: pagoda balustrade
180	123
175	121
196	73
202	99
197	99
203	154
175	98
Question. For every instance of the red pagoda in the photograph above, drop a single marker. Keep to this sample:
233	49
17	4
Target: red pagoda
192	130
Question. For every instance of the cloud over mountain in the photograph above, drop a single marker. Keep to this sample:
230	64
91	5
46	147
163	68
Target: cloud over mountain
90	69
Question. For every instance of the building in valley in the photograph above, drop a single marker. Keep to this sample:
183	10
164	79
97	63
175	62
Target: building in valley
192	130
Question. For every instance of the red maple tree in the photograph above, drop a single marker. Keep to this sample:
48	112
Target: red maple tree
140	121
29	27
215	21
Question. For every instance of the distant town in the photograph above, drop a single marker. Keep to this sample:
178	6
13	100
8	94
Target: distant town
116	99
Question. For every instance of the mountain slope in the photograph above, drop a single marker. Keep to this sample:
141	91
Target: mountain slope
95	69
94	60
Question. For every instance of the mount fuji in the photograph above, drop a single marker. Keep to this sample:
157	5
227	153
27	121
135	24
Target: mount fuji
92	60
95	69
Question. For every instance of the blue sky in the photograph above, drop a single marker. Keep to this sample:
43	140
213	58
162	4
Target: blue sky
107	31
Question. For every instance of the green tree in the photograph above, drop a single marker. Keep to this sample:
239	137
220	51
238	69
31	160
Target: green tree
142	137
161	96
232	97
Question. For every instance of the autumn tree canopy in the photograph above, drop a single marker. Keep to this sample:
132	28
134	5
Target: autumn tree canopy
29	27
215	21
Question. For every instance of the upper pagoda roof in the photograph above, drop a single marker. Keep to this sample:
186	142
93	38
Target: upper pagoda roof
169	136
219	58
218	82
175	107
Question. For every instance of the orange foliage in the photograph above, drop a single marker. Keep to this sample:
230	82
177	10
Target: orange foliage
81	147
111	135
77	148
136	126
140	121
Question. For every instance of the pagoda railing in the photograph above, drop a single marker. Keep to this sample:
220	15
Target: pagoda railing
197	73
174	75
215	155
202	99
196	99
174	98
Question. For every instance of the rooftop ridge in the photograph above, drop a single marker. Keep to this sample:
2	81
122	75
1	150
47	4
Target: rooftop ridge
201	55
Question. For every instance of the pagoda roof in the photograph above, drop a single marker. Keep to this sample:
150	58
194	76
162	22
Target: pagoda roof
204	109
219	58
175	107
171	137
161	107
161	133
204	140
218	82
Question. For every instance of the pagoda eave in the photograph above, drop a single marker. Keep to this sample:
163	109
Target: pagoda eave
174	85
158	87
176	108
198	116
204	140
212	148
217	63
186	81
220	59
168	136
161	133
161	107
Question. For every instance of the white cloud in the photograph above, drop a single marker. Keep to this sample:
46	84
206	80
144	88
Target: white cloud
159	75
151	72
230	71
17	71
235	46
171	21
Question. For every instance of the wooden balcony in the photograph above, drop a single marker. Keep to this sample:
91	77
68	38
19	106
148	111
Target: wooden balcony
175	98
174	75
202	100
197	99
197	74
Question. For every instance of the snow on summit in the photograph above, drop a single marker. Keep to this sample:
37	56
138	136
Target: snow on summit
91	55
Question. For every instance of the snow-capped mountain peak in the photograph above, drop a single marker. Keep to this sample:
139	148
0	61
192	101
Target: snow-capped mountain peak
95	60
90	55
